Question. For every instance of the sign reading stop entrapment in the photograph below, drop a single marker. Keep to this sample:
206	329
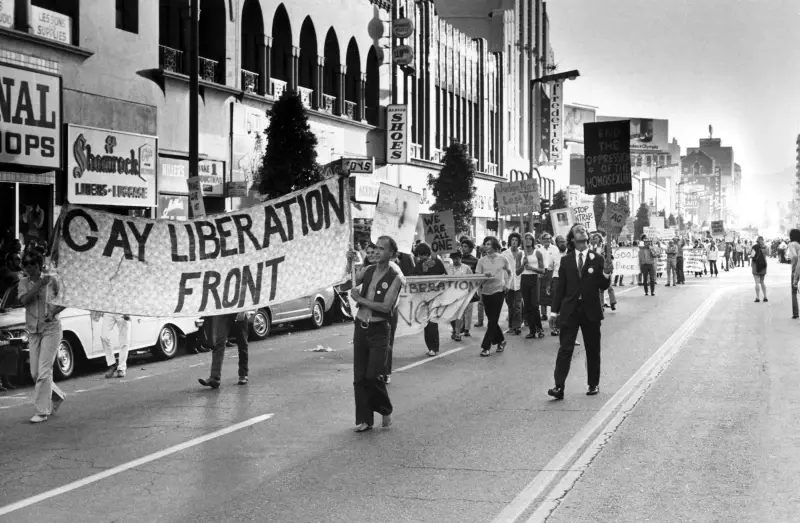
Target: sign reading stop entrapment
608	156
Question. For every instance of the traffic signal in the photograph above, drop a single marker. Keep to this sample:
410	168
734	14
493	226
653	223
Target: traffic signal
545	205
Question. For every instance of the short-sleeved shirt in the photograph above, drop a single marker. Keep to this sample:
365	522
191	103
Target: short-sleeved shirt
461	270
496	265
793	251
36	310
513	283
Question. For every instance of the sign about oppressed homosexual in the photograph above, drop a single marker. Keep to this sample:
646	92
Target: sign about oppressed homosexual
440	232
607	157
276	251
396	215
518	197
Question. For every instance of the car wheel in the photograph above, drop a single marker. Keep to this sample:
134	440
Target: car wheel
167	344
317	319
64	366
261	325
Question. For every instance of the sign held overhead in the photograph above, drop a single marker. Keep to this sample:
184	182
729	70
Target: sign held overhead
608	157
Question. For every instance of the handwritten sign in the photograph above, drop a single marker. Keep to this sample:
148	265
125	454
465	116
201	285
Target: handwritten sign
608	157
396	215
196	196
440	232
718	229
584	214
626	261
520	197
615	216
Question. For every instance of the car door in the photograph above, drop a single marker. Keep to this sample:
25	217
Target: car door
144	331
296	309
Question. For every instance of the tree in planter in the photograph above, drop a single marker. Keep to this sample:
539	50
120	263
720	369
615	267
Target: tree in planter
454	188
559	202
290	162
642	220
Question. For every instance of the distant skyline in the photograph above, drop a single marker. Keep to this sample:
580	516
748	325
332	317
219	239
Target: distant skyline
732	65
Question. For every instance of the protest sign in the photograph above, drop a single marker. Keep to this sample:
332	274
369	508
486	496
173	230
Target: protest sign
562	220
519	197
196	197
584	214
626	261
693	260
237	189
661	265
396	215
607	157
274	252
718	229
440	232
615	216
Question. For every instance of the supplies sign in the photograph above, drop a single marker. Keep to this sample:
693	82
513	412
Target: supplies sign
608	157
274	252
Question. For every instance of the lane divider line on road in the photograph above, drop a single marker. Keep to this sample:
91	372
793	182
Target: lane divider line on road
559	464
130	465
422	362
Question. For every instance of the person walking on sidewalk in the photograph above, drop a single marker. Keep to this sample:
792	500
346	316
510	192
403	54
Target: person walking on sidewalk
647	265
713	256
375	302
121	322
428	266
494	266
680	244
672	264
217	330
530	270
758	261
44	333
793	254
582	275
513	293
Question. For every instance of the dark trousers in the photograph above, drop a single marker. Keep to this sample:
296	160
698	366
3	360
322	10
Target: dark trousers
514	302
9	361
492	304
679	270
393	327
219	328
432	336
529	286
591	338
794	299
712	267
370	346
648	271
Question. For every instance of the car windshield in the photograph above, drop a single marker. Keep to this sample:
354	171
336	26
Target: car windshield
11	298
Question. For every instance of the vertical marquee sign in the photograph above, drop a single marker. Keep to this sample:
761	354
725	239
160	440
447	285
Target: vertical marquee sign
397	134
608	157
556	114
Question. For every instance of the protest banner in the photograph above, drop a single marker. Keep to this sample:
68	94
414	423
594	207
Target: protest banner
562	220
718	229
693	260
626	261
440	232
607	160
196	197
396	215
584	214
661	265
274	252
615	217
519	197
651	232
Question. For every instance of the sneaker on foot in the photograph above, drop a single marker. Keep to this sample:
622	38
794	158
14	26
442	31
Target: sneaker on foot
485	353
431	353
387	421
119	374
111	371
38	418
242	380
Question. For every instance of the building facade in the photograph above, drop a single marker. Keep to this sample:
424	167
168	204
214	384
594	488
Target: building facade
712	167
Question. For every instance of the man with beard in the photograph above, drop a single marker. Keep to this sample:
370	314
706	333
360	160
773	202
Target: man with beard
576	302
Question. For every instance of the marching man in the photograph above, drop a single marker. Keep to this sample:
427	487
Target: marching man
122	322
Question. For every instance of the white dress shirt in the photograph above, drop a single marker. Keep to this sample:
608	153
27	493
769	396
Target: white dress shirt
552	258
513	283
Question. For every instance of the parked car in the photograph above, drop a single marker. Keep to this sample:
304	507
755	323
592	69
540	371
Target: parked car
313	310
81	336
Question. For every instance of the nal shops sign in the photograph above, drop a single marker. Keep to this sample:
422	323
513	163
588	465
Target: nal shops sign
30	118
111	168
397	134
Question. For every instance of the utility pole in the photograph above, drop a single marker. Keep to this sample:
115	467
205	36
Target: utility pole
194	88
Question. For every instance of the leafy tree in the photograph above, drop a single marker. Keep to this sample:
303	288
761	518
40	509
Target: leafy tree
642	220
599	205
454	187
290	162
671	221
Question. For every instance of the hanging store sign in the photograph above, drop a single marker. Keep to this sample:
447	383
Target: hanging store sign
544	103
556	114
211	177
30	118
402	28
51	25
7	13
403	55
111	168
397	134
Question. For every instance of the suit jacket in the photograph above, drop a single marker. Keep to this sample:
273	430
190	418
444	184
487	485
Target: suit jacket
586	287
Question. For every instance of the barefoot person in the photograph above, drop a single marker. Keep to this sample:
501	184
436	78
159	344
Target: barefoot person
371	337
44	333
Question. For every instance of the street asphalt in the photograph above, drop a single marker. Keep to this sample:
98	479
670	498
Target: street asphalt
701	381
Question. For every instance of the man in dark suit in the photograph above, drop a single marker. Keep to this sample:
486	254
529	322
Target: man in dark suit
576	303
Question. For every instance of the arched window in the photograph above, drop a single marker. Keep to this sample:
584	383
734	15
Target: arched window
212	40
308	54
373	95
252	45
352	80
281	52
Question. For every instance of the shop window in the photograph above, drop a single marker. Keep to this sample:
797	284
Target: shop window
69	8
128	15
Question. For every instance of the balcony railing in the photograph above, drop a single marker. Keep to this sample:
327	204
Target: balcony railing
350	110
249	81
277	87
491	168
170	59
328	103
438	156
305	95
208	69
416	151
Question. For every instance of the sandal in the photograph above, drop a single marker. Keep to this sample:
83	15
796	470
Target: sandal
501	346
363	427
540	334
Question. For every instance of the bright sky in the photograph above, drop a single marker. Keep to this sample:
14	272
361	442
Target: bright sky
734	64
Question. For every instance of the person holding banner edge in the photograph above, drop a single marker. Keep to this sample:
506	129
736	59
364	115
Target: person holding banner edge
576	304
371	333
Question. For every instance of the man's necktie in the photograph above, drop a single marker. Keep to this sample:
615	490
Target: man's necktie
580	263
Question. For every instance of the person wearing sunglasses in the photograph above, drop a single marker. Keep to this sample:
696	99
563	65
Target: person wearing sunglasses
44	332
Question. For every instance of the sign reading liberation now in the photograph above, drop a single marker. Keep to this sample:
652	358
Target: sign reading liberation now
607	148
274	252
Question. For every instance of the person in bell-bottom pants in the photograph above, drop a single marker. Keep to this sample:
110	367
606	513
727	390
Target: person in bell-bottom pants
43	347
123	325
